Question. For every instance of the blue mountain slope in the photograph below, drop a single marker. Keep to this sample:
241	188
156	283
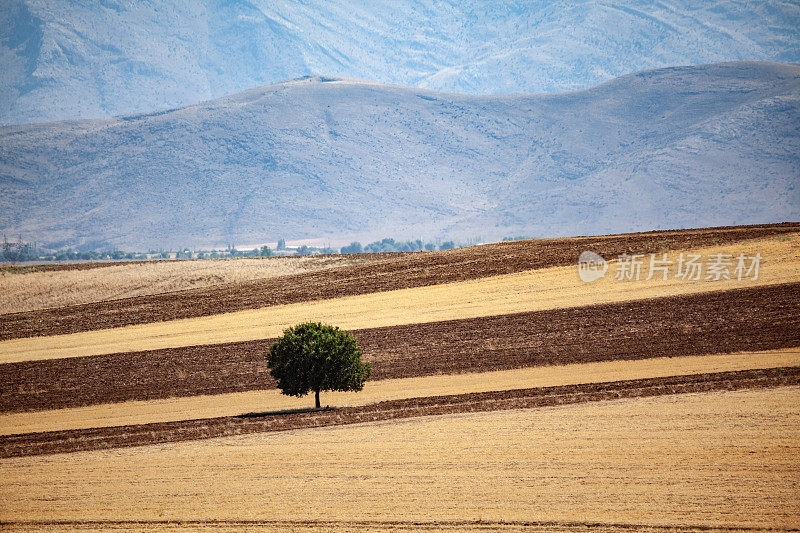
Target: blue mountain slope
340	159
64	59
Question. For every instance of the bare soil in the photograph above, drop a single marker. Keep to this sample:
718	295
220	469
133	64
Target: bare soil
358	526
752	319
395	272
64	287
145	434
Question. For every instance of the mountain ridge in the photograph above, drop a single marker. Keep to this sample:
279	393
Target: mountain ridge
342	159
63	59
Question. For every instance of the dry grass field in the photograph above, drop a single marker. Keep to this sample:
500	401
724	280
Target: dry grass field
557	287
52	288
508	394
318	526
749	319
219	405
724	459
383	274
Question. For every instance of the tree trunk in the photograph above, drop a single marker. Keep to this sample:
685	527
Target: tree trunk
316	395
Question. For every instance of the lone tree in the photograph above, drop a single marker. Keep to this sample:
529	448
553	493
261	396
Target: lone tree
316	357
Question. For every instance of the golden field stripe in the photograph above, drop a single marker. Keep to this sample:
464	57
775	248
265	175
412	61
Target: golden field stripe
717	459
211	406
54	288
534	290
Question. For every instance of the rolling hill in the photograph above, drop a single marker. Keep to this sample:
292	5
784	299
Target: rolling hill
338	159
66	60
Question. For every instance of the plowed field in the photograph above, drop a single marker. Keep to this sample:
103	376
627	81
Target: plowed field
403	271
758	318
506	394
713	459
532	290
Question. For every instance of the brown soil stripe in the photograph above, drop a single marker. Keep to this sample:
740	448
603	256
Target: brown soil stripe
751	319
144	434
404	271
549	526
25	268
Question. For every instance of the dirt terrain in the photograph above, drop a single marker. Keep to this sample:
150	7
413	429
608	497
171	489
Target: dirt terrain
759	318
179	408
22	268
527	291
124	436
57	288
403	271
578	416
28	268
707	460
357	526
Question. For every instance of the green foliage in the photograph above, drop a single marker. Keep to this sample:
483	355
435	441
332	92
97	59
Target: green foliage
21	251
313	357
390	245
183	253
353	248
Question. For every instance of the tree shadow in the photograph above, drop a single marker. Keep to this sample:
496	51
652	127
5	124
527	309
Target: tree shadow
258	414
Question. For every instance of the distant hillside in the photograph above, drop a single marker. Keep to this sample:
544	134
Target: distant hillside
339	159
63	59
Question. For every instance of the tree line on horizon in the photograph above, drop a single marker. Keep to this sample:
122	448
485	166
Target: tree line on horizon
22	252
390	245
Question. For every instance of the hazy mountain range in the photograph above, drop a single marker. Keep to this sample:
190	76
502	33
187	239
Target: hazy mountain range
340	159
64	59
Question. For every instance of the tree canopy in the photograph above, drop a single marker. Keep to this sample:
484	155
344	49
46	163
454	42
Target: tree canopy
313	357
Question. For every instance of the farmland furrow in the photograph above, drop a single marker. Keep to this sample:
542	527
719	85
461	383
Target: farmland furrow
404	271
751	319
354	526
235	403
145	434
532	290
